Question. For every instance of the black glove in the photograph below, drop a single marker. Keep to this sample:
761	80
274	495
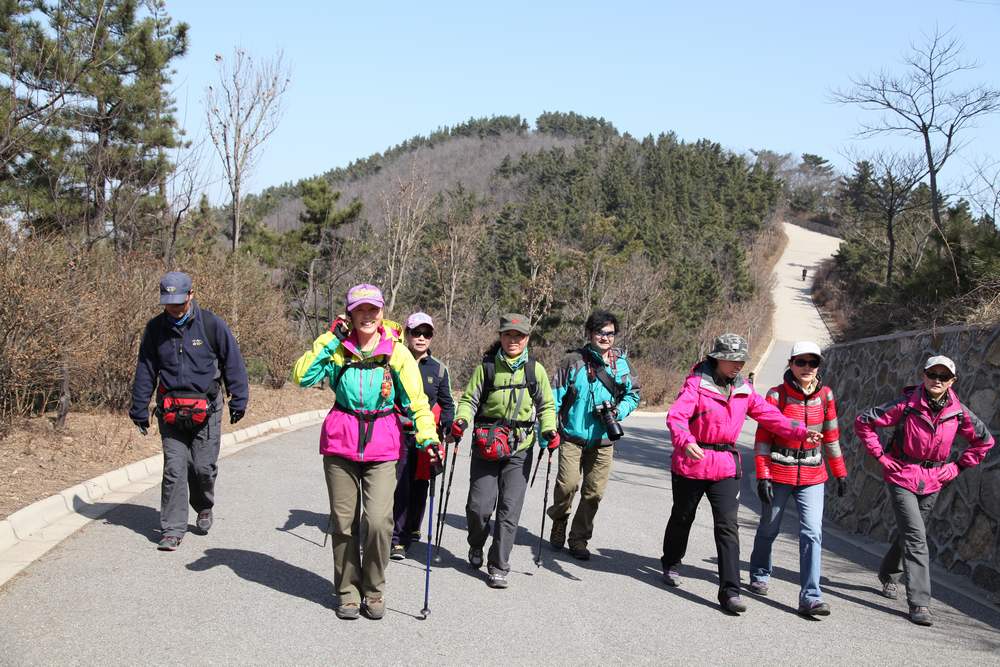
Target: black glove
765	491
143	425
236	415
841	486
437	459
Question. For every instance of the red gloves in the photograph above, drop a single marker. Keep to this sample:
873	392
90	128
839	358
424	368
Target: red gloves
458	429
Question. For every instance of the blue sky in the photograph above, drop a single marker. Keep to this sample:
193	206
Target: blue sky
366	76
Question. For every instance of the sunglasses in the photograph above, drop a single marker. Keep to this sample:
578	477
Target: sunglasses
802	363
422	333
943	377
606	334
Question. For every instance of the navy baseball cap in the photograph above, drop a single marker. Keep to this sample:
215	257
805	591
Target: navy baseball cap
174	287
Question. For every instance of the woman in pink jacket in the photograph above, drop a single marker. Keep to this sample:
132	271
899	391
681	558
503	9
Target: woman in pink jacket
705	421
915	466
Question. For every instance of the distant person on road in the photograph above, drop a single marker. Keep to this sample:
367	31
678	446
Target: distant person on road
412	471
705	422
790	469
507	395
187	356
803	274
915	466
595	388
374	379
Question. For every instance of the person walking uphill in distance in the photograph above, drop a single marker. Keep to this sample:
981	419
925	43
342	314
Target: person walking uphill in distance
184	354
786	469
412	480
705	422
373	376
507	394
594	389
915	467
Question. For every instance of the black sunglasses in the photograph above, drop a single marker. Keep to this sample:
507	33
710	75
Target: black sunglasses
802	363
422	333
943	377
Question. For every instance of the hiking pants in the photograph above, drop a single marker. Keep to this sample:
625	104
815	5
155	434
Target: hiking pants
190	466
725	500
594	465
411	496
503	484
351	485
809	503
908	553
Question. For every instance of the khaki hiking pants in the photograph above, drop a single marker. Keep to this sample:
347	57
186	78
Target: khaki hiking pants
372	485
594	465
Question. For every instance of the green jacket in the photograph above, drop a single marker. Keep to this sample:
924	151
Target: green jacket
501	401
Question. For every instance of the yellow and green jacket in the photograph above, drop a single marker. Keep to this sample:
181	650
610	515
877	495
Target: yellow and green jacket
370	391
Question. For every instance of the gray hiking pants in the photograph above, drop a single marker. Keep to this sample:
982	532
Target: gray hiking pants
909	553
500	483
190	465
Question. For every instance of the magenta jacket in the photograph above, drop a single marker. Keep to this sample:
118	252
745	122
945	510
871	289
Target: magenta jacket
703	413
925	437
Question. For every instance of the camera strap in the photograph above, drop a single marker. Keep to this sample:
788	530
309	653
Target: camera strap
616	388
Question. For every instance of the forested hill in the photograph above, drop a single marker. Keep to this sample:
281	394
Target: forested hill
553	220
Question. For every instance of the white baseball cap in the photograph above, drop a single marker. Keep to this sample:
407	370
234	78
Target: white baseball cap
940	360
805	347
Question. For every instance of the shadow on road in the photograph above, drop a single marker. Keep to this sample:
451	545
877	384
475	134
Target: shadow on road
139	519
271	572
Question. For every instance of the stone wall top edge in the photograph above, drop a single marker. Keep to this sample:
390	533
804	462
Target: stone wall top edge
958	328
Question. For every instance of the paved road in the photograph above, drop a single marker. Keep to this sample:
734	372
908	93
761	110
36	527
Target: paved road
258	588
795	317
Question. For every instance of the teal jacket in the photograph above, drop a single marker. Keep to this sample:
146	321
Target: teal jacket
578	421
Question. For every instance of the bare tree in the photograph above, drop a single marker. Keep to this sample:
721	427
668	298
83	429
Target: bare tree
920	103
894	176
984	188
243	112
182	190
406	212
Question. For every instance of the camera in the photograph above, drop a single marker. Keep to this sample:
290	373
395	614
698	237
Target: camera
606	413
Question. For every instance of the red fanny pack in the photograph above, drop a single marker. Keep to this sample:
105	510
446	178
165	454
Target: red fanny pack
184	409
493	443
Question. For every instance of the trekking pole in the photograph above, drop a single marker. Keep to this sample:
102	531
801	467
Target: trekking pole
444	479
538	464
545	506
447	496
425	612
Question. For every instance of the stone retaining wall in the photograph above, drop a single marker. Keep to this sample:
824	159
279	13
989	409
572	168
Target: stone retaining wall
963	529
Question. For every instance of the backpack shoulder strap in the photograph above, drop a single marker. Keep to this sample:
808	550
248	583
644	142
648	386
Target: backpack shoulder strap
210	322
531	379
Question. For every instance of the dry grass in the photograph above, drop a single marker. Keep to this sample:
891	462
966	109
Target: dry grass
36	461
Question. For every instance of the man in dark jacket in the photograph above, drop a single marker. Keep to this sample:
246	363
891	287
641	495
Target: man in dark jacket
412	474
185	352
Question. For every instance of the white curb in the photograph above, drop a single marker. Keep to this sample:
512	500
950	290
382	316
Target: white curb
31	531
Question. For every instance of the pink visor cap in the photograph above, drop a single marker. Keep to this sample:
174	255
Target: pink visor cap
416	319
364	293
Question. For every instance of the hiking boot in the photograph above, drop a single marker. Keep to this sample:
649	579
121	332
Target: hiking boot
734	604
758	588
476	557
348	612
579	553
204	522
497	579
921	616
814	608
169	543
397	552
557	538
671	577
889	590
415	536
374	608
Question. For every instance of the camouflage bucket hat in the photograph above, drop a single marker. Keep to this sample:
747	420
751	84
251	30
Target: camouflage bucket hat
730	347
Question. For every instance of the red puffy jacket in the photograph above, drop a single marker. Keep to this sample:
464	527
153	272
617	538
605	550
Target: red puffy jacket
795	462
